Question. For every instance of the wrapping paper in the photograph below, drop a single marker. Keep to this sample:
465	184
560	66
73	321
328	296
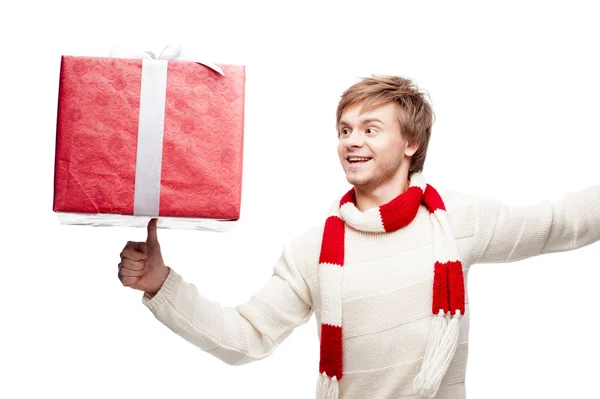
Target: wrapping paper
97	137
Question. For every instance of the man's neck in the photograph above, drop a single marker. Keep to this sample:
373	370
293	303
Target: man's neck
367	199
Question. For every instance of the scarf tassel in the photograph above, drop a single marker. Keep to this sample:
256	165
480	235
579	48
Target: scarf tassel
443	340
448	287
328	387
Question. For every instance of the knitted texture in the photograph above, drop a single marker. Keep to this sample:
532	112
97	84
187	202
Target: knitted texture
448	291
387	293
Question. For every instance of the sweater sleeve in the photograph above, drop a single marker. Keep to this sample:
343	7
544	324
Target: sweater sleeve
241	334
507	234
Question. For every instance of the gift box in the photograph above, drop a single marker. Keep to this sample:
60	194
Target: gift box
147	138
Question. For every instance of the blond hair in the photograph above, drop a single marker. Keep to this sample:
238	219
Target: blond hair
414	113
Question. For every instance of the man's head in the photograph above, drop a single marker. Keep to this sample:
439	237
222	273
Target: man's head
387	121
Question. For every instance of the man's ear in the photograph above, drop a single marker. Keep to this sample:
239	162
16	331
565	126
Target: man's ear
411	149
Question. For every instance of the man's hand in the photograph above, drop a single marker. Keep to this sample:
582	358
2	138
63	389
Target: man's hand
142	266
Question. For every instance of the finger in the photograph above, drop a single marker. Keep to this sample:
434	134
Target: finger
136	245
127	263
131	244
124	272
133	254
128	281
152	234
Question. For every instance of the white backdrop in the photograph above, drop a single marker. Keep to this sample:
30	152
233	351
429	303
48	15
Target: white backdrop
515	91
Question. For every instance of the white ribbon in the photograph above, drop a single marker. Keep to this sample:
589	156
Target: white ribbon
146	197
170	52
151	126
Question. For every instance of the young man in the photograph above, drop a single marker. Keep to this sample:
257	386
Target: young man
384	274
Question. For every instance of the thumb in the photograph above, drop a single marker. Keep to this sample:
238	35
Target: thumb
152	236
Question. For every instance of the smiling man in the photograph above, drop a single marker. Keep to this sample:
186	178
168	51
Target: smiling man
384	274
373	153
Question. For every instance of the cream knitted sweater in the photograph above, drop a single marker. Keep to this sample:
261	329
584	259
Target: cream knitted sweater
387	290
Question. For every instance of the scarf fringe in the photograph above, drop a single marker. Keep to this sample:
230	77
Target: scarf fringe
438	328
448	278
443	340
328	388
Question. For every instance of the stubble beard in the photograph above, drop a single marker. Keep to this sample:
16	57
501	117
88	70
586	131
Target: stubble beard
368	182
365	182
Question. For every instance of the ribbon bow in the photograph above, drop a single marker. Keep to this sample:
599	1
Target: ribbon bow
170	52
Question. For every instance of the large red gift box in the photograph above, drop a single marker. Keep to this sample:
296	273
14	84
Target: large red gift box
100	144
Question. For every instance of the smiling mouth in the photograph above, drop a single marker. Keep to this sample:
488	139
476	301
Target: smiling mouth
358	160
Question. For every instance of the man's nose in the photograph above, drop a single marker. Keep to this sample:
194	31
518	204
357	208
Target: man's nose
355	139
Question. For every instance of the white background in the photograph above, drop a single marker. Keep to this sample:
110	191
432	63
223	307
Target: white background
515	91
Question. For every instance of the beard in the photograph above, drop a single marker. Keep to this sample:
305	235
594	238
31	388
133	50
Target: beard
375	176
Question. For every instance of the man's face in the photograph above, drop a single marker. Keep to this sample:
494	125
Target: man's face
371	149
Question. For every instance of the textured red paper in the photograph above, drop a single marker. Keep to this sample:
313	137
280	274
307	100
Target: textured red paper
97	128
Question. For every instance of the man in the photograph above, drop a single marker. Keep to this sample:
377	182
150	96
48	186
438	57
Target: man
384	273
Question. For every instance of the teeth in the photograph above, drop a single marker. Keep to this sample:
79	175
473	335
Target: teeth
352	159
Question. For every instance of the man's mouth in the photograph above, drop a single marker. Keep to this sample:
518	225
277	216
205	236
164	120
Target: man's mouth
357	160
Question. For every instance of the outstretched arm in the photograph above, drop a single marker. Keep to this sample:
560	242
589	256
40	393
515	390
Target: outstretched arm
239	335
507	234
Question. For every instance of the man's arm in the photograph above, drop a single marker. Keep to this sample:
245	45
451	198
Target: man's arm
507	234
239	335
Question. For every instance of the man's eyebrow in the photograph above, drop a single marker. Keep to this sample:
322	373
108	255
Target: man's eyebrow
371	120
363	122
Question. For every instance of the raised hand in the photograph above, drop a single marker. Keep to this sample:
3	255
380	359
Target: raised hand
142	266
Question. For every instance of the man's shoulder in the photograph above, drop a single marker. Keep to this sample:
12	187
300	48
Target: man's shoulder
461	208
311	236
464	201
308	239
460	199
303	250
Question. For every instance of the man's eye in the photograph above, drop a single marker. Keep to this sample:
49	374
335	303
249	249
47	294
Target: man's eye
370	130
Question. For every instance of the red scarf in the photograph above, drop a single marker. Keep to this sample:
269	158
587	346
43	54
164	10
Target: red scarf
448	302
